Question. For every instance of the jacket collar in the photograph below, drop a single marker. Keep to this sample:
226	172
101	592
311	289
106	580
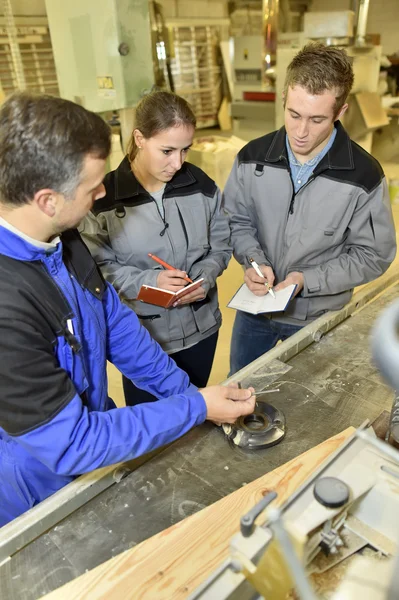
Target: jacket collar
127	186
70	250
339	157
18	247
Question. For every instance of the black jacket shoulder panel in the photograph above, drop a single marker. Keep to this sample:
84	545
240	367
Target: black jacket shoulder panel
369	173
123	189
346	161
80	262
366	172
33	314
256	150
203	183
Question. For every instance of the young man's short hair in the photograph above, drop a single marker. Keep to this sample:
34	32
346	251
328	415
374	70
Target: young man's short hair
318	68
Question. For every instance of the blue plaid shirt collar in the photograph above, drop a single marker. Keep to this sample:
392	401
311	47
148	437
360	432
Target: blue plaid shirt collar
301	173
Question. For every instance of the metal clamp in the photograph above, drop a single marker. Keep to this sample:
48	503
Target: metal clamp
247	522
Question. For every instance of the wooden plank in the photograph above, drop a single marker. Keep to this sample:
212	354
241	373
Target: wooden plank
172	564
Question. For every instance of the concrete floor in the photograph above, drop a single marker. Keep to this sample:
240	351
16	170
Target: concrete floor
228	284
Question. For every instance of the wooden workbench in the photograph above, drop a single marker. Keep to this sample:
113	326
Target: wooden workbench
172	564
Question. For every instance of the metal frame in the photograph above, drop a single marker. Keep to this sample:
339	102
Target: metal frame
33	523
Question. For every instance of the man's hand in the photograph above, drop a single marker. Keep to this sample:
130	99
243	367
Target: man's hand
172	280
226	404
257	284
294	277
198	294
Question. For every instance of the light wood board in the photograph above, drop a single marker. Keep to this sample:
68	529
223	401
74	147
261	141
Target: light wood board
172	564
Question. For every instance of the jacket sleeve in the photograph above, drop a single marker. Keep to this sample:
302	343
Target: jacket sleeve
139	357
244	236
220	251
126	279
67	437
370	248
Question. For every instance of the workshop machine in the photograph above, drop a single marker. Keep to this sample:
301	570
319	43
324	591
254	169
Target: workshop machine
106	54
261	61
102	51
350	504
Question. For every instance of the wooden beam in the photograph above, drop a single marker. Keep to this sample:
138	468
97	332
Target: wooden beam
173	563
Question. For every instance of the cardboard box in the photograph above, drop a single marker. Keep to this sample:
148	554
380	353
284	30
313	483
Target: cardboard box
364	115
327	24
215	155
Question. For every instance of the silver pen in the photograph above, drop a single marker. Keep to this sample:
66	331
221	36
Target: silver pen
259	272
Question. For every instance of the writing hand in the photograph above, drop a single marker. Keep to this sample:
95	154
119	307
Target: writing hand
171	280
256	283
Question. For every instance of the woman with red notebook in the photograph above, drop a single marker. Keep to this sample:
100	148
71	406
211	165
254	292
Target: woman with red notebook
157	203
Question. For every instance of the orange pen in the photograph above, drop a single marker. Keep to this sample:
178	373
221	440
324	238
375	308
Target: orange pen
166	265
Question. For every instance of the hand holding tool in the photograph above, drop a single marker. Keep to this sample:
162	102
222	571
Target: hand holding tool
265	392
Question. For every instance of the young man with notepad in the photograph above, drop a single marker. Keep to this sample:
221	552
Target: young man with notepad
308	205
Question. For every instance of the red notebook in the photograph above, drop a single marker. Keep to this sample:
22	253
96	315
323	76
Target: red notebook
165	298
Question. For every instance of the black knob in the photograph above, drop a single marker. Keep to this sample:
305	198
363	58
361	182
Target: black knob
331	492
123	49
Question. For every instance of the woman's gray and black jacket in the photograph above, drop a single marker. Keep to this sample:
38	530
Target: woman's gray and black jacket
125	225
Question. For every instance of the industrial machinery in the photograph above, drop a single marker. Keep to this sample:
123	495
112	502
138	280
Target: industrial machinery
349	504
365	113
102	51
261	61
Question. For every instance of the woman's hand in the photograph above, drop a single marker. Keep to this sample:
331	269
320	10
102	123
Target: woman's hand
172	280
198	294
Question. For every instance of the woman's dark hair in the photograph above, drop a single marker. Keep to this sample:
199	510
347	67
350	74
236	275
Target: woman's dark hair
159	111
43	143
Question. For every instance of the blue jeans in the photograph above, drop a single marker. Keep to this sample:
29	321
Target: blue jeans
253	335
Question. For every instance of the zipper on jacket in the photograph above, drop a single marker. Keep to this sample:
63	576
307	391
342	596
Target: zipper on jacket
294	194
183	225
291	209
73	302
166	225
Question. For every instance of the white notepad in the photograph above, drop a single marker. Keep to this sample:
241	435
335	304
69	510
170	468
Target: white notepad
245	300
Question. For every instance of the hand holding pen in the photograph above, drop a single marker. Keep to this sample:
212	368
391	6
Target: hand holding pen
253	284
168	266
170	279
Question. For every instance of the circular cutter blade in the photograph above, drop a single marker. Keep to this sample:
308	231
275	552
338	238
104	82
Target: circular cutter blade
262	428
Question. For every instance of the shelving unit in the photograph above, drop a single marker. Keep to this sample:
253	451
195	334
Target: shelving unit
196	69
37	59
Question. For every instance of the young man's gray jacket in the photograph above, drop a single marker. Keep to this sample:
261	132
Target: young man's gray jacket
337	229
125	225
